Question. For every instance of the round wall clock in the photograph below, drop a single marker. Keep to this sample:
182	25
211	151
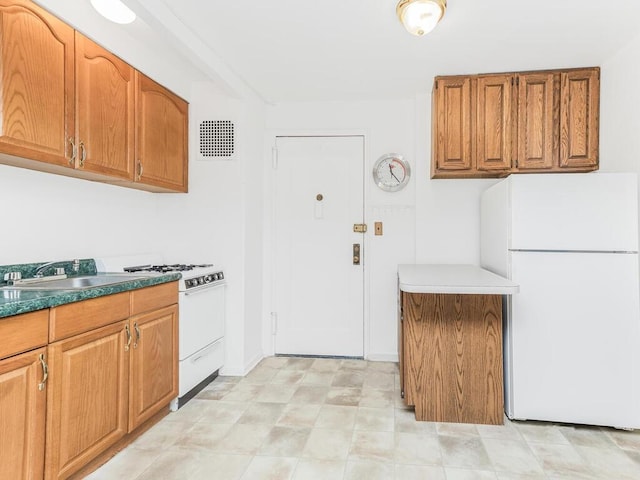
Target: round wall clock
391	172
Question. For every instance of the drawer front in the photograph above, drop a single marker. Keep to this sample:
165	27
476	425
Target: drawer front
23	332
152	298
74	318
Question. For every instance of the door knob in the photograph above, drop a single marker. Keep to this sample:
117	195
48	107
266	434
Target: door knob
356	254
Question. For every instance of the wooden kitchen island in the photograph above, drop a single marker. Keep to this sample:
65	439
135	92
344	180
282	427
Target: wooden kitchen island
450	342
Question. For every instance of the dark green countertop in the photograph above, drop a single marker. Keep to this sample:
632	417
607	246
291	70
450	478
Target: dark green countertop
14	302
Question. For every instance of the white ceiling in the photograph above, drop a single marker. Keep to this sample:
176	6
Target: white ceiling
299	50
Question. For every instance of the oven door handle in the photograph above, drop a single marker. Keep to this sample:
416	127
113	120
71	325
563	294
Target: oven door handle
204	288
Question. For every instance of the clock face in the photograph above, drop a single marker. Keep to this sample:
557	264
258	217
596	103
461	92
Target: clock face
391	172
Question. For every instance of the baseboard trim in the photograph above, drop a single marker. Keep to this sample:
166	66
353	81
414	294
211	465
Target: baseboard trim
383	357
241	371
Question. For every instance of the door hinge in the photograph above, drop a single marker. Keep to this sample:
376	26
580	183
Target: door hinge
360	227
274	157
274	323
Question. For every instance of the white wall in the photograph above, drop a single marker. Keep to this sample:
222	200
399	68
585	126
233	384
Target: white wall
225	218
435	221
219	221
620	110
49	217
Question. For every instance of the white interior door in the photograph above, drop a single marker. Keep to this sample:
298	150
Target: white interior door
319	292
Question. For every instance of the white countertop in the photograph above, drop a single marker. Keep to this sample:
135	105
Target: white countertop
469	279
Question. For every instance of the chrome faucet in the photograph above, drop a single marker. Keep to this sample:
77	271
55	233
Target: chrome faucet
59	271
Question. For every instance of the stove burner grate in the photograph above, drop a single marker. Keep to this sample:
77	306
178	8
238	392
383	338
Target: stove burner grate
176	267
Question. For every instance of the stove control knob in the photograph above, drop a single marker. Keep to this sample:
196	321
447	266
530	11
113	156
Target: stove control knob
209	278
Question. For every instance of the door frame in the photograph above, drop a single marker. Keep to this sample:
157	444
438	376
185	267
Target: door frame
269	230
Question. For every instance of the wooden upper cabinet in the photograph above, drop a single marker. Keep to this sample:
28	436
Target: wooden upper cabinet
579	118
105	106
494	125
70	107
522	122
162	119
536	124
452	125
36	102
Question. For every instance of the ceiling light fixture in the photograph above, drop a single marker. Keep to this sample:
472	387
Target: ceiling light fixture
114	10
419	17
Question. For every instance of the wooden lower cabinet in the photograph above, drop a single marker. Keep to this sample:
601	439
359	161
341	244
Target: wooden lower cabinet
154	363
108	380
451	357
87	409
22	415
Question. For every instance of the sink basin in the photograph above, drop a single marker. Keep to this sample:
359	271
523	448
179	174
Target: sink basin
75	283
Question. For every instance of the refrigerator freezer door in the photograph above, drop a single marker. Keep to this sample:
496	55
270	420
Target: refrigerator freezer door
575	331
586	212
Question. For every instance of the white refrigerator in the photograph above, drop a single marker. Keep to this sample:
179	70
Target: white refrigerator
572	334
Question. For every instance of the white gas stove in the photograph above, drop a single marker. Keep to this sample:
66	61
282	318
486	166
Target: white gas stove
194	277
201	316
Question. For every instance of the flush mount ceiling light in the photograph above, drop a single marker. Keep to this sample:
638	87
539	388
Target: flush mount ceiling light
114	10
419	17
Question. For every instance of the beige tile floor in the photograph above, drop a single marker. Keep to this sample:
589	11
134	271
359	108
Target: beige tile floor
307	419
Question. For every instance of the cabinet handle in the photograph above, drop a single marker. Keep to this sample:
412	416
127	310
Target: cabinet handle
83	155
128	332
45	372
135	327
74	151
140	169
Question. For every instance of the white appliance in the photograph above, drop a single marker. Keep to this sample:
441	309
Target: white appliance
201	316
572	334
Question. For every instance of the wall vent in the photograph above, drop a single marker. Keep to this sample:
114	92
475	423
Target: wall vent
217	140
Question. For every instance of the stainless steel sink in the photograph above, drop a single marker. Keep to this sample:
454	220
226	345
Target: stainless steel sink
75	283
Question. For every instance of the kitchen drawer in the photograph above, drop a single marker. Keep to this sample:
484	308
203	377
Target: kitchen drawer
152	298
74	318
23	332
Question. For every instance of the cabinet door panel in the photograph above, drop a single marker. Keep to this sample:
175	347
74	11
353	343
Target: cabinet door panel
579	112
22	416
105	103
87	412
37	83
154	363
162	120
493	131
453	124
536	121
